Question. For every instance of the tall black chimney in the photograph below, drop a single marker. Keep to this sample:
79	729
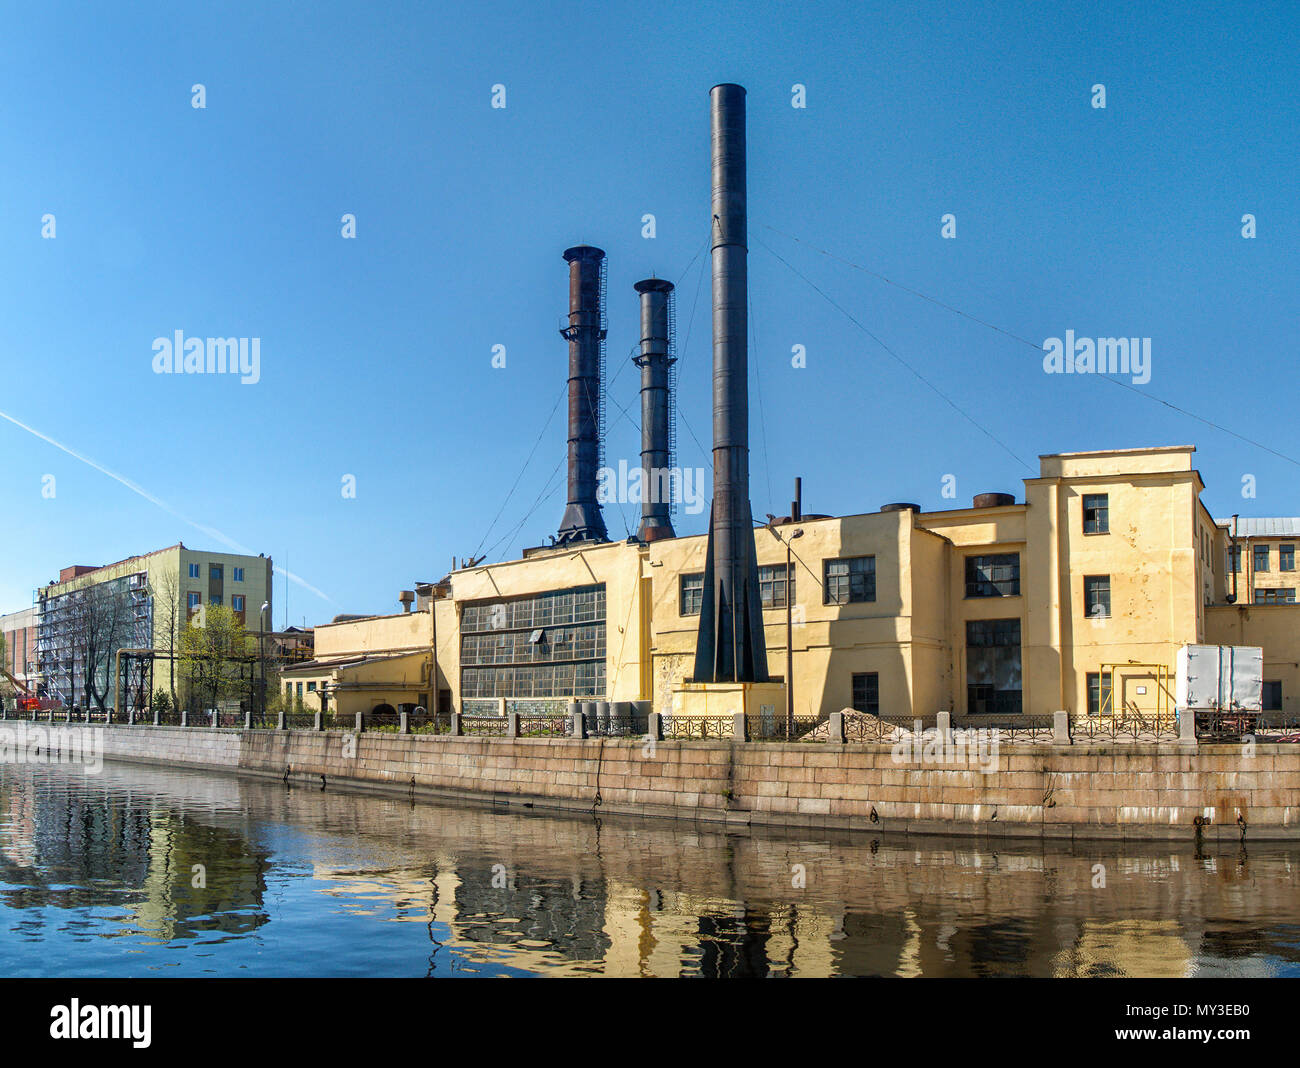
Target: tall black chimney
654	362
731	645
586	337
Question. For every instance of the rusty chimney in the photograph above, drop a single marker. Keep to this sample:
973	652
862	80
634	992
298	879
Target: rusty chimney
585	334
655	361
730	646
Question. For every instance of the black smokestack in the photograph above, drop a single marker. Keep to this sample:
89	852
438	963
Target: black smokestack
731	646
654	362
586	336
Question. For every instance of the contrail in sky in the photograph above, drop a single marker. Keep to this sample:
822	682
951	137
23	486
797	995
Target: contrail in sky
136	488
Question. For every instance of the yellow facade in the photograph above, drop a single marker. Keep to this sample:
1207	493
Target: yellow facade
1117	562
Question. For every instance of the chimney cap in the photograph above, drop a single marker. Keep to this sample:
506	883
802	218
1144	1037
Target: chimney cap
993	500
900	506
583	252
654	285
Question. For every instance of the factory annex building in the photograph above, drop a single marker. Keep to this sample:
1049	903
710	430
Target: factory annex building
1108	565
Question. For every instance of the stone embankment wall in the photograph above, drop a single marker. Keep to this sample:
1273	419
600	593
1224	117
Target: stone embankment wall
1058	791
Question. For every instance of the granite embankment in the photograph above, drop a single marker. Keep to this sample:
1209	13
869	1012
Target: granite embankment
1130	791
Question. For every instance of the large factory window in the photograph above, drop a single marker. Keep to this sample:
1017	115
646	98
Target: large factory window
850	579
993	576
549	645
993	683
692	594
772	586
1096	596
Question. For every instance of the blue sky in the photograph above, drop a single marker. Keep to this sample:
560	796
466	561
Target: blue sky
376	352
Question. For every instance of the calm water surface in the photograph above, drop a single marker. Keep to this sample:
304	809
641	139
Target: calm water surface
98	877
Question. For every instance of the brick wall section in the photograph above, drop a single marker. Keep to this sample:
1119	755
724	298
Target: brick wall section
1121	791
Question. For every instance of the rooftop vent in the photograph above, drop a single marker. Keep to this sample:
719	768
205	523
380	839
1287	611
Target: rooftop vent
993	500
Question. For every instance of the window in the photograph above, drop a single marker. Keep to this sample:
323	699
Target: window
193	600
1096	596
311	687
1234	558
849	580
214	572
1286	557
237	574
1272	696
194	570
993	683
1261	557
993	576
237	602
300	691
866	692
1279	596
1096	513
692	594
772	586
1098	693
215	599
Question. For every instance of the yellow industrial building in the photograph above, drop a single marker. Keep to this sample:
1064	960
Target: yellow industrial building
1105	568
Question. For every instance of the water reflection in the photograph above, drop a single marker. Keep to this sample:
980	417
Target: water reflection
142	870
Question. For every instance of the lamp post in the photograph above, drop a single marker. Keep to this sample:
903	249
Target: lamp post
261	646
789	622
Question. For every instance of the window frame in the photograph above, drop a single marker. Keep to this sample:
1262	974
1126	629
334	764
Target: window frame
994	583
682	591
846	580
1101	516
1087	606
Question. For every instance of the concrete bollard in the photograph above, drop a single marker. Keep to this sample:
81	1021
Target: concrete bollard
501	707
1061	727
835	728
360	722
739	727
1186	726
185	717
403	723
943	727
248	720
130	717
512	724
456	730
216	719
579	720
156	715
279	720
318	721
655	726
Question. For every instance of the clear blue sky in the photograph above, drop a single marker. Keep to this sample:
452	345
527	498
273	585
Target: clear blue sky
376	352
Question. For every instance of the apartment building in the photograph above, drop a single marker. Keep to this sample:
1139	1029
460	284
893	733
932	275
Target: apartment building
90	612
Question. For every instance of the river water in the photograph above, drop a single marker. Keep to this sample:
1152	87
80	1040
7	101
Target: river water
141	871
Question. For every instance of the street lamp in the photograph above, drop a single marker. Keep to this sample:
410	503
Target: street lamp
789	623
261	648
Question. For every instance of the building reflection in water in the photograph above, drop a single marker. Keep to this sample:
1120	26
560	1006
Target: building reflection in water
393	886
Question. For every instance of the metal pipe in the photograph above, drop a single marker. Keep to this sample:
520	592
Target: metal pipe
654	361
731	645
585	334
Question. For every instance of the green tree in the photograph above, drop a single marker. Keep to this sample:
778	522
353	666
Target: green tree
216	658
